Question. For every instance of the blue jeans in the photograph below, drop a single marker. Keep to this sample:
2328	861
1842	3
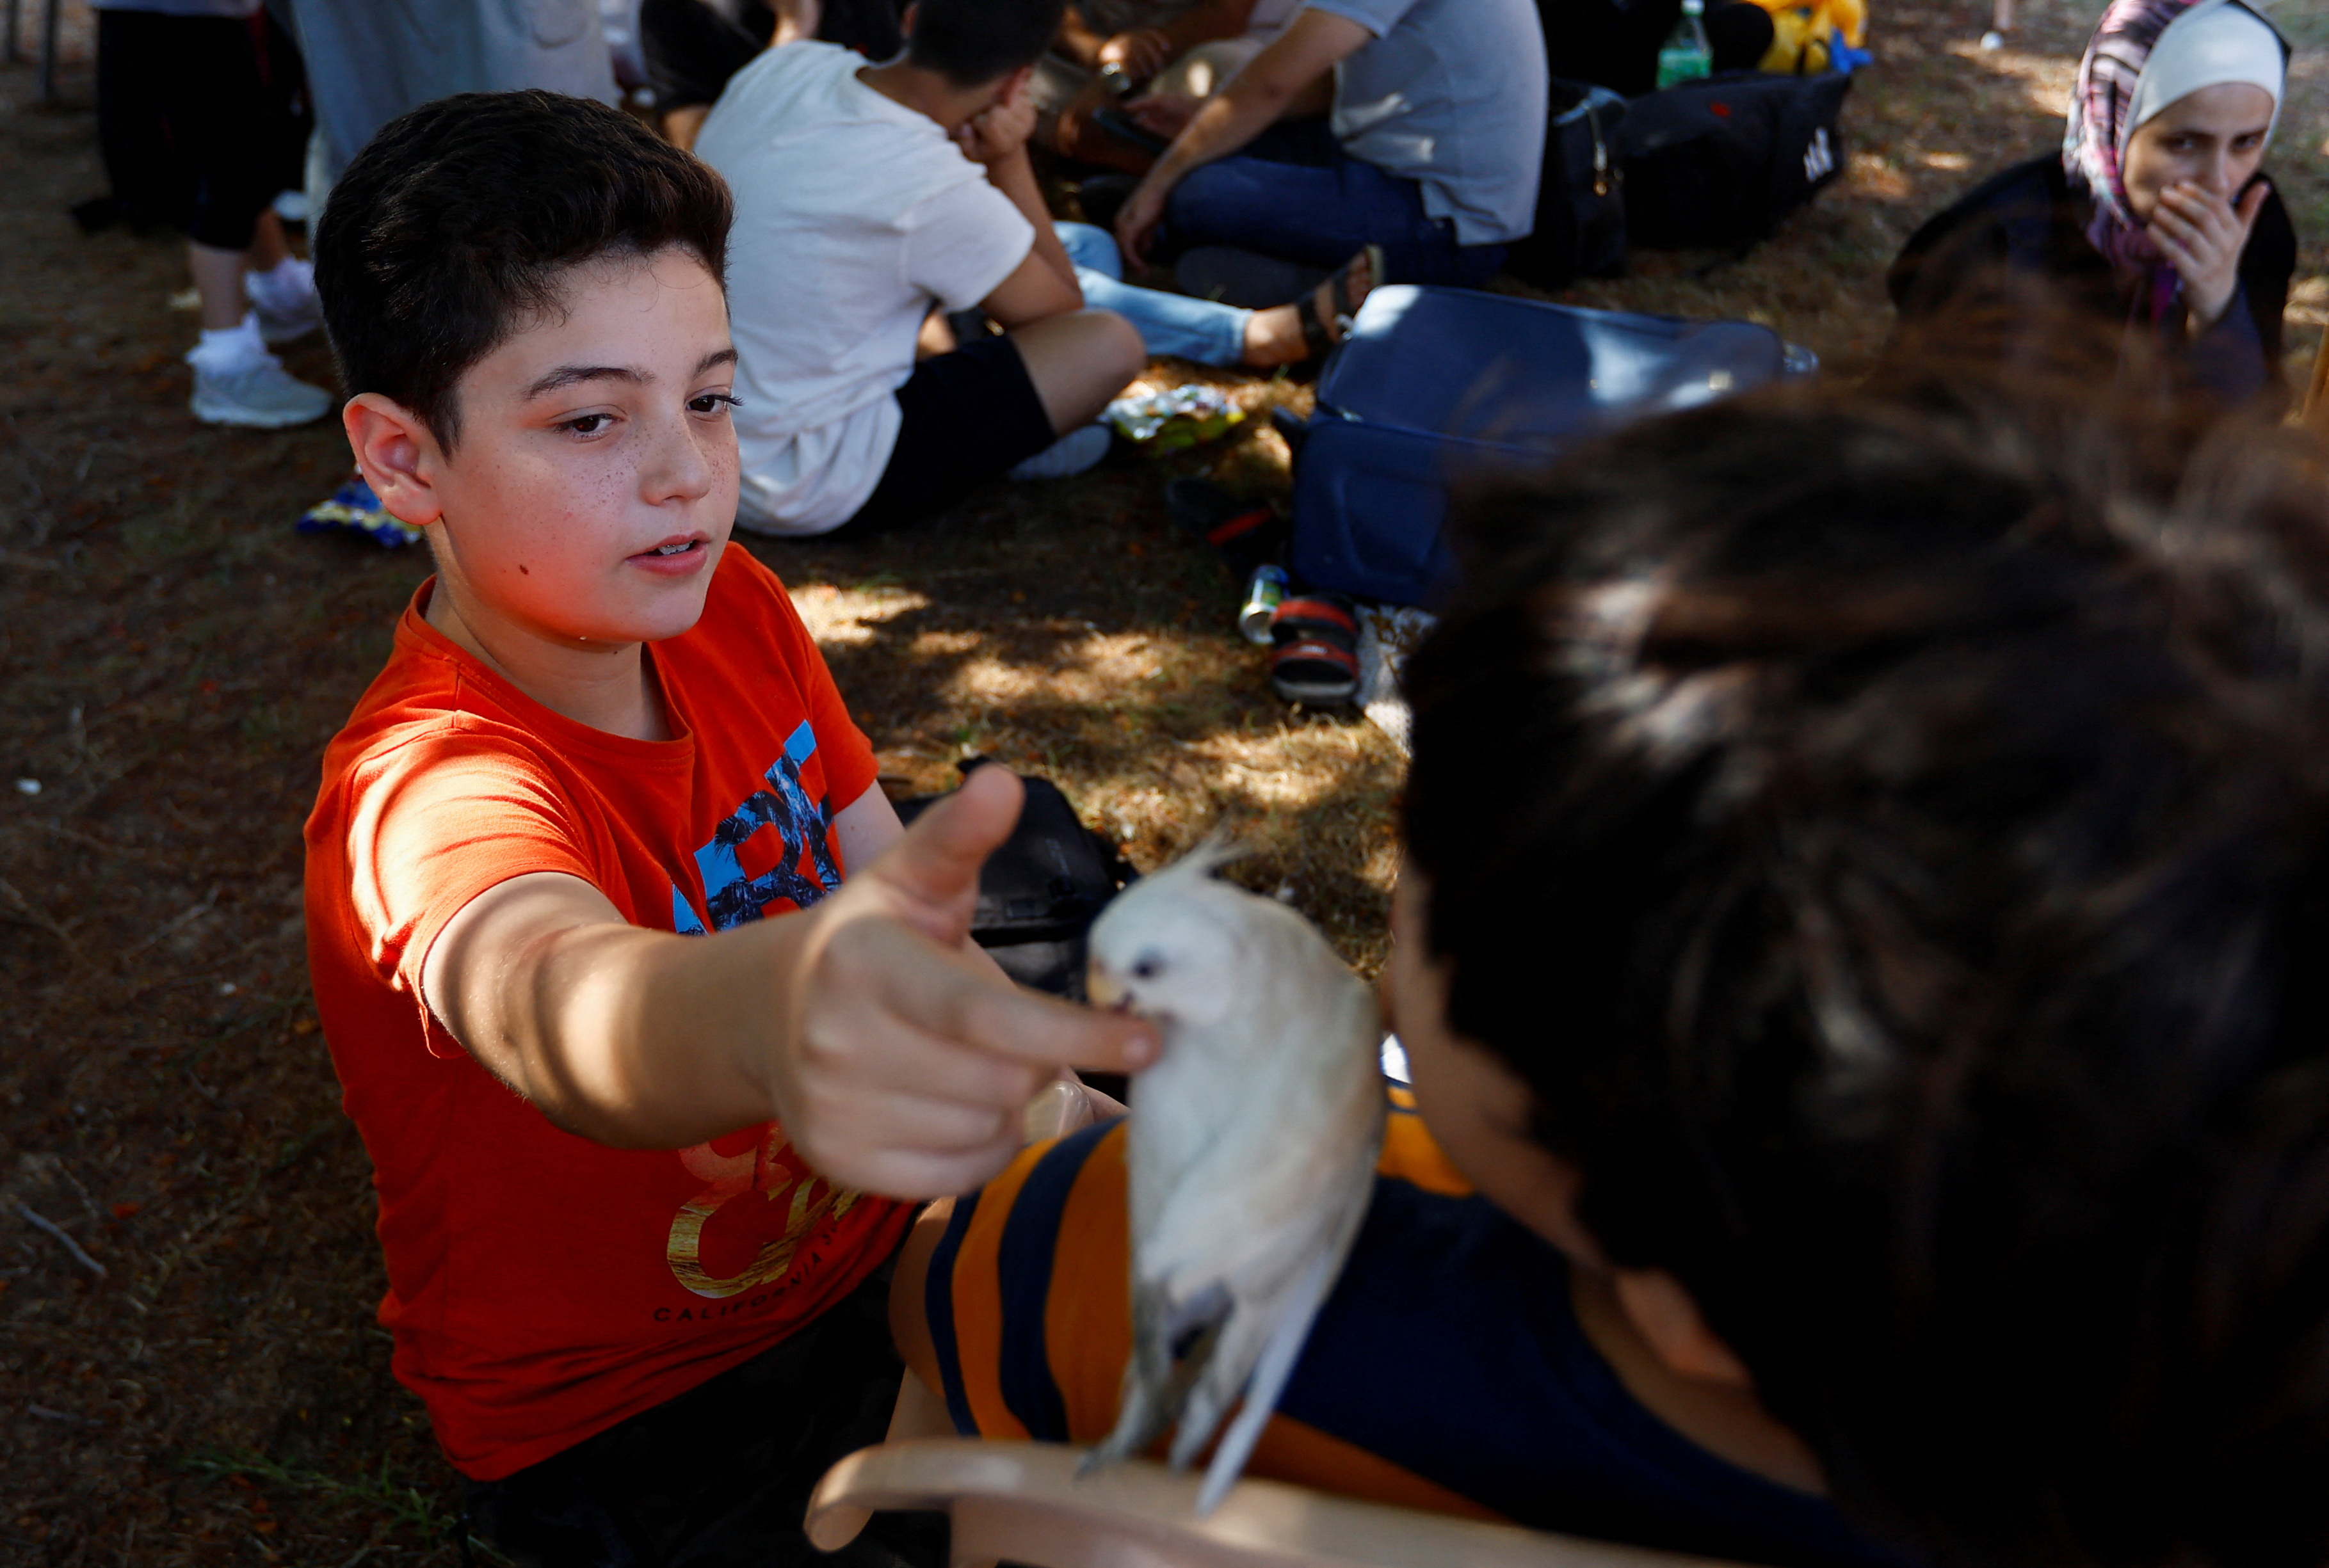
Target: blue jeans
1202	329
1295	195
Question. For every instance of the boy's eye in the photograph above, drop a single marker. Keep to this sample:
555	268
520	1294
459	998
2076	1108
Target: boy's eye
587	424
711	402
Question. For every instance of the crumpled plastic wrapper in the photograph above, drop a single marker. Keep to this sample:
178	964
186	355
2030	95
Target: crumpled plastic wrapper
1174	417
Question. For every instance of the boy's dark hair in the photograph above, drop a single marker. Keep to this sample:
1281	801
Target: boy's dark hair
455	226
970	42
1889	834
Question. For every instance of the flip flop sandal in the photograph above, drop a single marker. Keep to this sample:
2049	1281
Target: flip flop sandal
1315	656
1338	283
1245	533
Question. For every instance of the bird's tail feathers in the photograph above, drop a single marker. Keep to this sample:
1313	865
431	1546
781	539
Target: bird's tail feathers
1274	1366
1292	1315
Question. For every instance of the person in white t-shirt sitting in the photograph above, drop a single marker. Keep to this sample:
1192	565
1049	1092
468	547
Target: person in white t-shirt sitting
866	195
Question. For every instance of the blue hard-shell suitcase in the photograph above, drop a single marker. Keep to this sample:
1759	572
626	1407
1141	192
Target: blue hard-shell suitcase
1437	387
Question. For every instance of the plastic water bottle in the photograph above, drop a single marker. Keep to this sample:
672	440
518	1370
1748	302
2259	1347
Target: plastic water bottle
1684	56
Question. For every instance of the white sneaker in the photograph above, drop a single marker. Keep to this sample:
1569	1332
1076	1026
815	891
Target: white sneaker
284	301
1071	454
260	394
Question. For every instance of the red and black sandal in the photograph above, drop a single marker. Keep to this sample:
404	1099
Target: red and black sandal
1315	653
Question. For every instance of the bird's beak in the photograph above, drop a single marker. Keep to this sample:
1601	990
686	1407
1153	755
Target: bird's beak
1102	989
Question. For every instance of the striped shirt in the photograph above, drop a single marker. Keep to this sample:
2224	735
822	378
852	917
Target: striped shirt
1446	1372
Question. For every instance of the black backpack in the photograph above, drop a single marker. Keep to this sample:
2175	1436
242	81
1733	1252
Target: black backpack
1580	208
1040	891
1719	161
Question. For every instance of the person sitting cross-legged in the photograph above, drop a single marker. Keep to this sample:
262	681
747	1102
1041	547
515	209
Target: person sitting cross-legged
1432	151
866	197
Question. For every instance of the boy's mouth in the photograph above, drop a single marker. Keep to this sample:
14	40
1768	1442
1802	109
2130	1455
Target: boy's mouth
673	553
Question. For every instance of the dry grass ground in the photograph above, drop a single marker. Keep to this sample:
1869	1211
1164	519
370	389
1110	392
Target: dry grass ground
172	658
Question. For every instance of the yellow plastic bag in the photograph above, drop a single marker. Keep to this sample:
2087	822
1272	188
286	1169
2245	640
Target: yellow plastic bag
1803	29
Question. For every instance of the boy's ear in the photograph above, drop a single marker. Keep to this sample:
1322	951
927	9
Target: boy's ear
398	456
1669	1321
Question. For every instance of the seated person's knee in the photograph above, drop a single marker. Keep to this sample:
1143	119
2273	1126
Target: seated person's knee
1120	340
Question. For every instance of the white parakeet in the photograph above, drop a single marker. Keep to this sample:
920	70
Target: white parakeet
1253	1147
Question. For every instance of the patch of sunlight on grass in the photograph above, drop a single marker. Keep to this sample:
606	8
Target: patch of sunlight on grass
2046	79
933	645
1100	668
838	616
1872	174
1285	770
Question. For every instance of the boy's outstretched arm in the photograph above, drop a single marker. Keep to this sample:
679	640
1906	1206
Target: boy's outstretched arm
897	1058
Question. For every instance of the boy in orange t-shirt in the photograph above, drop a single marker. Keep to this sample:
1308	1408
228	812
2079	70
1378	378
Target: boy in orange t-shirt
631	1060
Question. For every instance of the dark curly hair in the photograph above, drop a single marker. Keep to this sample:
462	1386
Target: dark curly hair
456	224
1887	829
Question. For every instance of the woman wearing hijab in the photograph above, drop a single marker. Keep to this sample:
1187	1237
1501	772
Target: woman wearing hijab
2154	217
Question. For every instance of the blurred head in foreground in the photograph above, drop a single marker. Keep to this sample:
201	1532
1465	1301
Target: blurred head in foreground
1894	887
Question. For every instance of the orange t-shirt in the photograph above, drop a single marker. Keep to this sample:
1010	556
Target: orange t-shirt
542	1287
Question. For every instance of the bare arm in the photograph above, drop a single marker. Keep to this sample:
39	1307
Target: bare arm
866	828
1253	100
909	1323
897	1061
1045	284
1078	39
1050	287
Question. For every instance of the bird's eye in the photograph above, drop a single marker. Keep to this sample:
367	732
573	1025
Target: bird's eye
1148	966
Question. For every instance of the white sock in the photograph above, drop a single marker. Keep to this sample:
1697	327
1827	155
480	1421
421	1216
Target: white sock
282	287
225	350
1071	454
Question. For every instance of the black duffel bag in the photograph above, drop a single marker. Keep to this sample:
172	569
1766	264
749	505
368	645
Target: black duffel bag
1719	161
1580	208
1041	889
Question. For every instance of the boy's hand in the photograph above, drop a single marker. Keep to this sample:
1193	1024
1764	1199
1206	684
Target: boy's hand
1000	130
909	1062
1137	220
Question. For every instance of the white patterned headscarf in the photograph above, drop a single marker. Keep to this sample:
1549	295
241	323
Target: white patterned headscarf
2145	55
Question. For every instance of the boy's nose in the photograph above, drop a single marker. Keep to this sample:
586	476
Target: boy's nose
680	471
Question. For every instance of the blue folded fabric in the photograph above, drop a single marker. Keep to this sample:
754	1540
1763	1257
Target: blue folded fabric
354	506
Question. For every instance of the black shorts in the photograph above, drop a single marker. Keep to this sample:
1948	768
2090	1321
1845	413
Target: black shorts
969	416
720	1476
